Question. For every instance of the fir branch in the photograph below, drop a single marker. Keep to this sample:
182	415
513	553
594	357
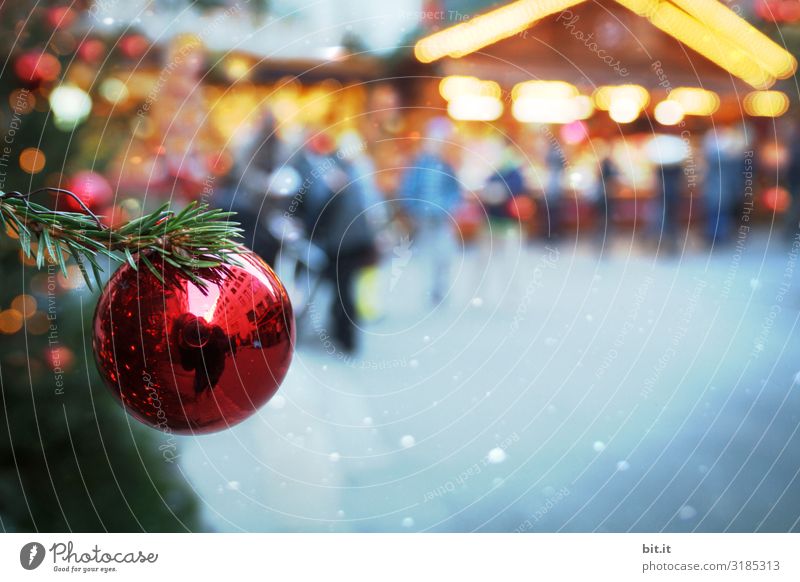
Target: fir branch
197	237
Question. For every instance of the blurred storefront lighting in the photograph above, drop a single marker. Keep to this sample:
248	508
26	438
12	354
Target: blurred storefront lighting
669	112
458	86
549	102
624	110
695	101
475	108
775	60
706	26
606	95
766	103
544	89
699	37
237	68
486	29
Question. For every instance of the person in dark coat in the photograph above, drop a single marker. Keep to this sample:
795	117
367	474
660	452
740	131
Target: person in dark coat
604	194
334	214
246	190
792	221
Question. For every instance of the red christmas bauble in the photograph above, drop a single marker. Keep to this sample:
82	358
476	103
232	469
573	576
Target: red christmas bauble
185	360
60	16
91	50
37	66
133	46
92	188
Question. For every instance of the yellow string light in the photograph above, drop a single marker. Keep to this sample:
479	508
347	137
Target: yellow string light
475	108
459	85
549	102
695	101
766	103
705	41
467	37
669	112
775	59
544	89
706	26
605	96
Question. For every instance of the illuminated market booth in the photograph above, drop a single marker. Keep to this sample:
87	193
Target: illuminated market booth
613	79
595	80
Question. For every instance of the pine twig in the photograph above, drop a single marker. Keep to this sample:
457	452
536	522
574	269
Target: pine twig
197	237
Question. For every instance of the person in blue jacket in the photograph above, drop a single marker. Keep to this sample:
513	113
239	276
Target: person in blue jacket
431	194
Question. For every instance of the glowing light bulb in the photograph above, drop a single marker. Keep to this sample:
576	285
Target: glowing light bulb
71	105
624	110
669	112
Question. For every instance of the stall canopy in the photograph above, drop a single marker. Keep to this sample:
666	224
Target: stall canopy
659	44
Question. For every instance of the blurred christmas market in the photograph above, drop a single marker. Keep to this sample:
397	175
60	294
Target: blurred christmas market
484	145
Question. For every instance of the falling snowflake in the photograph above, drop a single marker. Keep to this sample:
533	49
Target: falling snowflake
687	512
407	441
496	456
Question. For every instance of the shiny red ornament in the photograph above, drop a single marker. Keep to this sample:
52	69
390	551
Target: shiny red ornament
133	46
185	360
60	16
92	188
91	50
37	66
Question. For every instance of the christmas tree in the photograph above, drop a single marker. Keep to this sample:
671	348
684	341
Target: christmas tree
70	458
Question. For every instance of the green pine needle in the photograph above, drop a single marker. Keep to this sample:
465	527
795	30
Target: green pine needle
197	237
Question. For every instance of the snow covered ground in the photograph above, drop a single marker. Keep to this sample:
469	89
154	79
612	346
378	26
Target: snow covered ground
557	389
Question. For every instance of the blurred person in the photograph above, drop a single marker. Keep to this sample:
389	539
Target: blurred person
792	221
604	193
333	208
668	154
669	192
554	190
503	186
505	203
258	187
431	194
373	284
723	151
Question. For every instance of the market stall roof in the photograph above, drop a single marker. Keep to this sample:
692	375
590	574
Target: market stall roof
592	44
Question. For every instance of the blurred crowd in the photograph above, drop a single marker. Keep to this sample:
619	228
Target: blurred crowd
312	207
